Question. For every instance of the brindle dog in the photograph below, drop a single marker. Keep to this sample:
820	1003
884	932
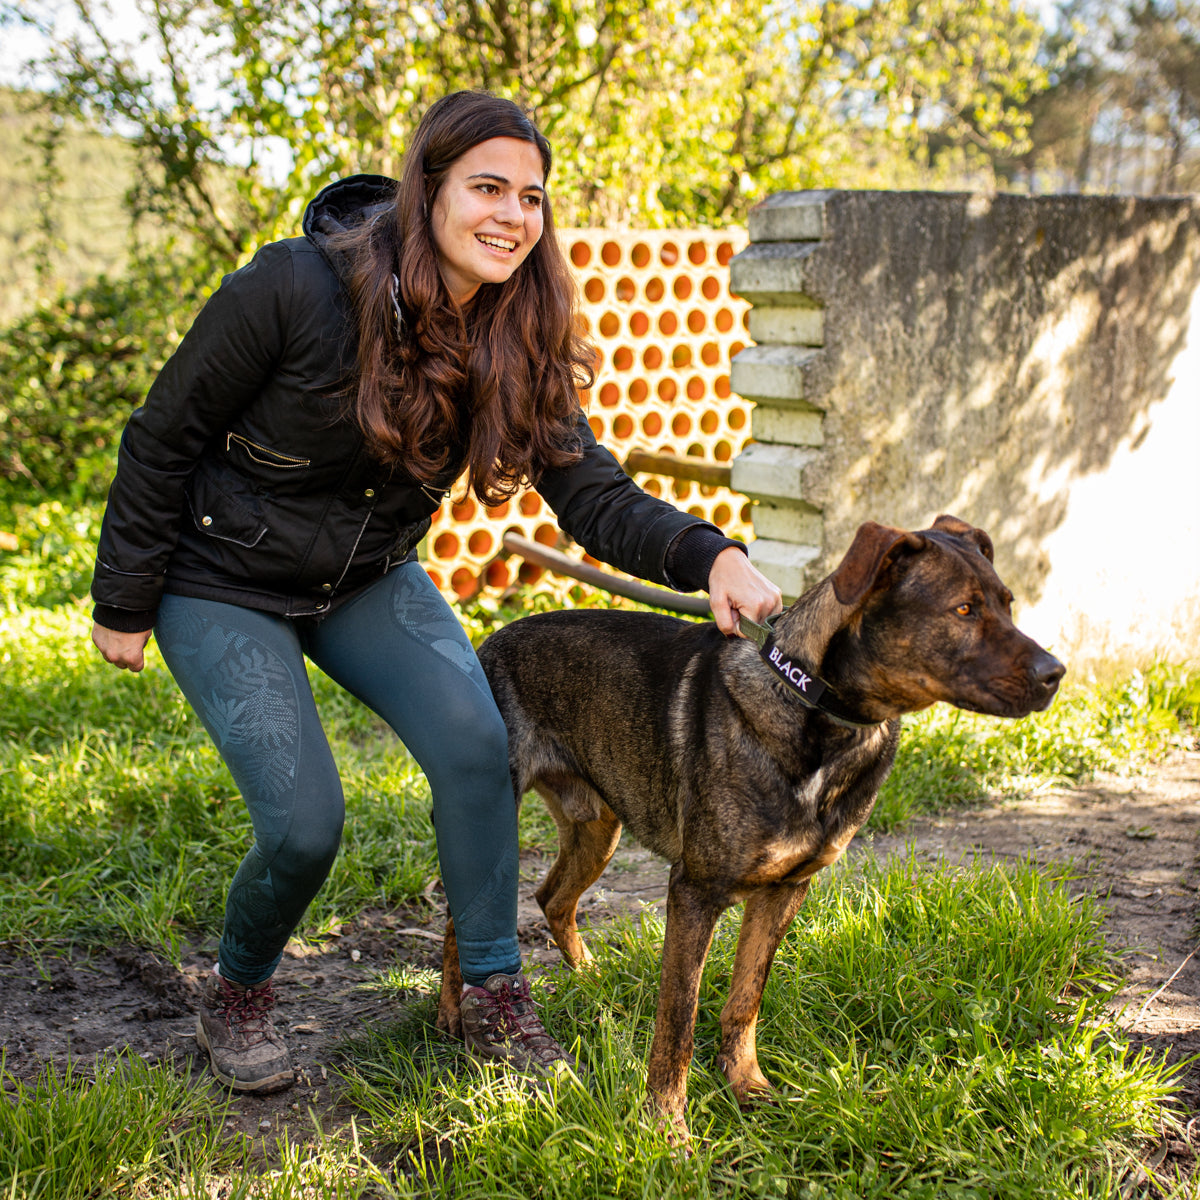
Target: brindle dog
694	742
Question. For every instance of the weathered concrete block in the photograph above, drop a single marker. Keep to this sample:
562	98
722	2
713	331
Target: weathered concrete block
800	524
771	472
772	373
789	217
784	563
788	326
794	426
772	273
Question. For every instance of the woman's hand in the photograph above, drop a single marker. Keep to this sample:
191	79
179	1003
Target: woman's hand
124	650
736	588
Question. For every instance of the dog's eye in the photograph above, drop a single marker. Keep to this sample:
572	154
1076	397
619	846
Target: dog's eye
963	610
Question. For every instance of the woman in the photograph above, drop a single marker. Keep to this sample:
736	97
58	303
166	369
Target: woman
269	497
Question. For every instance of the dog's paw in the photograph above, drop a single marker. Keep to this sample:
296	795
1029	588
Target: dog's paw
749	1085
450	1023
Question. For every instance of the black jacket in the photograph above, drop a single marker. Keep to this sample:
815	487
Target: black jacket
241	480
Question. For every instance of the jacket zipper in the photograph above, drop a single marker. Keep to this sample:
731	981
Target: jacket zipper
285	462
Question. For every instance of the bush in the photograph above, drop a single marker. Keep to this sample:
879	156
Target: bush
74	369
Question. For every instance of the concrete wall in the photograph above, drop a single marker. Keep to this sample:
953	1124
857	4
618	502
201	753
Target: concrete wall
1031	365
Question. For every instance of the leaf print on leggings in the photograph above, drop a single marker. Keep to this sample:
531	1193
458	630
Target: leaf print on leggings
427	618
252	709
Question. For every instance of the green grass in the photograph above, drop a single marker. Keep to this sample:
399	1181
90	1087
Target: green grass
934	1032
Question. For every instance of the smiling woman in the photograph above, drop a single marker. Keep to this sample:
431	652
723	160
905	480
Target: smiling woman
269	498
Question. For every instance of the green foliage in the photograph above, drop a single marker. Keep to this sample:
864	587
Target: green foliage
73	370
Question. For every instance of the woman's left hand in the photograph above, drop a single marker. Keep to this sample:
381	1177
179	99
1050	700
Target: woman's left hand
736	588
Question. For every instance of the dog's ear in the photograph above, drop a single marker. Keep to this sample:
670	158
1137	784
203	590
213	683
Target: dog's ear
874	547
952	525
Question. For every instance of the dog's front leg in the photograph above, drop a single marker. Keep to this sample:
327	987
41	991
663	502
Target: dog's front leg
767	916
448	1017
692	912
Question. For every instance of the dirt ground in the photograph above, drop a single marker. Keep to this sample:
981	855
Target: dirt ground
1133	841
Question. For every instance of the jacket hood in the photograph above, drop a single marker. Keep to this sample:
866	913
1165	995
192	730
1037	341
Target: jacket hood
341	206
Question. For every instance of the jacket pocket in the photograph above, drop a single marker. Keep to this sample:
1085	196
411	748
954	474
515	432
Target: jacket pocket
264	454
220	515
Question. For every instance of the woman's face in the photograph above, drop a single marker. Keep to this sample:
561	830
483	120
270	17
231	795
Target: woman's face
487	215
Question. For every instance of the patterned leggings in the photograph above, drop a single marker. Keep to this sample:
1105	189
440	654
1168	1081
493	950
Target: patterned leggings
400	650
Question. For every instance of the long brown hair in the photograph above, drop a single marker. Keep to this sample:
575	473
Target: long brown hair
492	389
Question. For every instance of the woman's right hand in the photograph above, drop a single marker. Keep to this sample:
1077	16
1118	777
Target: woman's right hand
124	650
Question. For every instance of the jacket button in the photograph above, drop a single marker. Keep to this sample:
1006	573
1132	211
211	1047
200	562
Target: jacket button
327	587
206	520
369	493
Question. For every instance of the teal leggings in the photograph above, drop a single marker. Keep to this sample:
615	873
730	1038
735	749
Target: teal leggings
399	648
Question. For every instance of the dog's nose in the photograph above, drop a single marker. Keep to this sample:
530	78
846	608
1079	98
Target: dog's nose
1047	671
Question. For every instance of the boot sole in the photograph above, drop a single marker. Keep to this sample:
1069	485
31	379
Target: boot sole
278	1082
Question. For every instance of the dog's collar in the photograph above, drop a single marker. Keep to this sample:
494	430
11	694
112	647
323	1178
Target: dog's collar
812	691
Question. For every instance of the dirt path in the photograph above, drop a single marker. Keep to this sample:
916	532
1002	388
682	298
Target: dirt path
1133	841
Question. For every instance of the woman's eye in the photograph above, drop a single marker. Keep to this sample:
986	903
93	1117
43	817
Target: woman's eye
534	201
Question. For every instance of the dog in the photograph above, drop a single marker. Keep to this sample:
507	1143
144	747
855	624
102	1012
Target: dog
720	756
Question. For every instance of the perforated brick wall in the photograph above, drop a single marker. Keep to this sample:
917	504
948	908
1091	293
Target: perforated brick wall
657	307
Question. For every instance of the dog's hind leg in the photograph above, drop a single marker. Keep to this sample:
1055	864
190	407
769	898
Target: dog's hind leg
584	850
448	1017
768	914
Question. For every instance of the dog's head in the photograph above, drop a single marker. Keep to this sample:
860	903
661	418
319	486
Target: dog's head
924	617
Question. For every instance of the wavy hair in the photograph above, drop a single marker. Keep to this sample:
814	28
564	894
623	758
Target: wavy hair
492	389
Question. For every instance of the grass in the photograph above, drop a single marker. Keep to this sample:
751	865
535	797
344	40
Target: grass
933	1031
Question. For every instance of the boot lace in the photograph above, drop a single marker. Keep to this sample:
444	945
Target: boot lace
248	1013
514	1018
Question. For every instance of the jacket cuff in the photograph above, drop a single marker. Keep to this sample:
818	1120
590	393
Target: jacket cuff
691	555
123	620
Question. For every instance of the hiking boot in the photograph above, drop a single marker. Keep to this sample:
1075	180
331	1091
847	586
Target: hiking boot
499	1021
234	1026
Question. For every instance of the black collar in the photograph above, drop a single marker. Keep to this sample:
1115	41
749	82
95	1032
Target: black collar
812	691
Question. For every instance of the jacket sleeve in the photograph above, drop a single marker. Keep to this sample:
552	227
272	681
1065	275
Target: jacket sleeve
220	366
613	519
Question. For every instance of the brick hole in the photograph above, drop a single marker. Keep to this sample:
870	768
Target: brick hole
667	390
655	290
625	289
546	535
747	512
583	324
529	572
610	395
499	511
722	451
622	358
683	287
746	320
668	254
652	359
681	423
707	492
609	324
652	424
610	252
711	287
597	428
710	354
435	577
724	253
668	323
736	348
697	253
464	583
594	289
640	254
695	320
446	545
480	543
639	323
530	505
696	510
464	510
736	419
695	388
724	320
581	254
721	387
681	489
639	389
681	356
496	575
622	426
653	487
710	421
